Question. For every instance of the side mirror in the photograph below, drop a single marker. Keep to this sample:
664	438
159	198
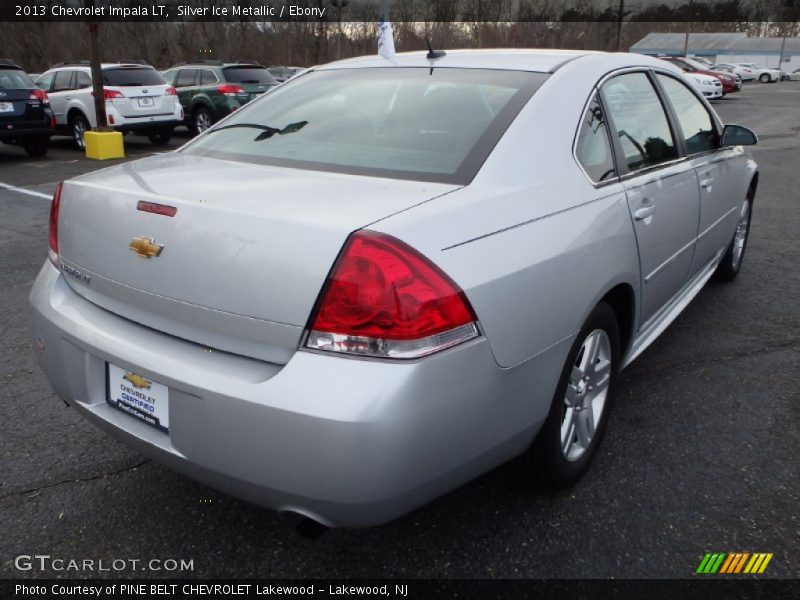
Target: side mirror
736	135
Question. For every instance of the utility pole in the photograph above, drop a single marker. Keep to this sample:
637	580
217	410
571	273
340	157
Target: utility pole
619	24
688	30
97	77
339	4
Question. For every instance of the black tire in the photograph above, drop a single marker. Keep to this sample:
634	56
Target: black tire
764	78
544	460
37	149
200	120
160	137
731	263
78	125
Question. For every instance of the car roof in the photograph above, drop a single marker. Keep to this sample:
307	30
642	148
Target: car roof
541	61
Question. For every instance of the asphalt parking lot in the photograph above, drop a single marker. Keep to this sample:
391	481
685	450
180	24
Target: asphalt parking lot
701	453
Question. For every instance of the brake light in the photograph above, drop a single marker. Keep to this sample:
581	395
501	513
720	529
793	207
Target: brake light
111	94
230	90
55	207
52	121
384	299
171	91
39	95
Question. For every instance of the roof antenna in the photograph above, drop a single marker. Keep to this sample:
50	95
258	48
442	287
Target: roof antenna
432	54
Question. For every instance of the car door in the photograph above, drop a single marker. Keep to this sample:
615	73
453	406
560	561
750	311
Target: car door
661	187
185	87
60	94
700	135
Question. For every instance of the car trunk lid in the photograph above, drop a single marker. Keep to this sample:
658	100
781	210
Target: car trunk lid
239	265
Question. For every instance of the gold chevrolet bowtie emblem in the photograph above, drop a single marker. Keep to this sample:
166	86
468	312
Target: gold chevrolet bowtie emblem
145	247
138	381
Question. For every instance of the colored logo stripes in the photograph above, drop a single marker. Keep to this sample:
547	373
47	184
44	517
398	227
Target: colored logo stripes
734	562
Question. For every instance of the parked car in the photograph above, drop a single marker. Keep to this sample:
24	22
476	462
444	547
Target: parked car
281	74
703	60
730	83
137	100
393	276
708	85
211	89
762	73
794	75
746	73
26	118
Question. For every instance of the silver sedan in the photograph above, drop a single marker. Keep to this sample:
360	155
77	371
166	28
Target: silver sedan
384	279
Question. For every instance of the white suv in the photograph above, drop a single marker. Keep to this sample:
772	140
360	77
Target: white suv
137	99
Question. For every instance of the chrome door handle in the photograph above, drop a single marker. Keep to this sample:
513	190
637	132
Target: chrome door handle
645	213
706	183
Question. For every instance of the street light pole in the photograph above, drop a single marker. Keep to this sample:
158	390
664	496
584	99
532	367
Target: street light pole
97	77
688	29
339	4
619	24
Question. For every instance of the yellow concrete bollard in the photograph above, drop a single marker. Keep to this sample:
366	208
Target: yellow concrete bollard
102	145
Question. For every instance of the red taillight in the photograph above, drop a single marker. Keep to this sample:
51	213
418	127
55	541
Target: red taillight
40	95
111	94
52	121
111	120
55	207
171	91
230	90
385	299
156	208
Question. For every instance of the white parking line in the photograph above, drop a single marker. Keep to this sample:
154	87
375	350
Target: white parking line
14	188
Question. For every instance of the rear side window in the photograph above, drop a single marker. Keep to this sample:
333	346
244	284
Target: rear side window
593	147
248	75
14	79
62	81
132	76
45	81
640	121
207	77
696	124
186	78
84	80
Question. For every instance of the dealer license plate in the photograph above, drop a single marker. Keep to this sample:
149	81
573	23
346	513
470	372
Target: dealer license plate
6	107
146	102
139	397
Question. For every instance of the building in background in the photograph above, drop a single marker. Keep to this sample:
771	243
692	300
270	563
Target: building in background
725	47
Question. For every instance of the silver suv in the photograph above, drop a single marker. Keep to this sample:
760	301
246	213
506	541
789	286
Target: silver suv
137	99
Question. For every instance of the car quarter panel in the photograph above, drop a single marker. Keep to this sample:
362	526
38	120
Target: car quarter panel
533	243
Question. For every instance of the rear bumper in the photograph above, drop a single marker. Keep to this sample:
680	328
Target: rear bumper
25	131
346	442
148	126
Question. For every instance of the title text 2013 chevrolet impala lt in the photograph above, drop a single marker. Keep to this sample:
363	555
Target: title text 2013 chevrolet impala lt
384	279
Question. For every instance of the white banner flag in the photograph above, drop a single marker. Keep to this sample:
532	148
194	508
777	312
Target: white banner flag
385	40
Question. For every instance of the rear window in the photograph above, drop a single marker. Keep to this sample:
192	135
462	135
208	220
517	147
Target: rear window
132	76
248	75
14	79
406	123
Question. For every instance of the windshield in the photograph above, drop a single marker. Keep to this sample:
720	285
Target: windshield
132	76
14	79
249	75
407	123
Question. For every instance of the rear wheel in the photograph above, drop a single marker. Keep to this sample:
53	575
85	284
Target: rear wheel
37	149
200	121
569	439
764	78
79	125
160	137
731	263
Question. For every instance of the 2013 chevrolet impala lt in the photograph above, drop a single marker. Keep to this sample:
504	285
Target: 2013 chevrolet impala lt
386	278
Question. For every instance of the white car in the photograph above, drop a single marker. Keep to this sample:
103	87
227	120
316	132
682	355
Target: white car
746	73
708	85
137	99
762	73
794	75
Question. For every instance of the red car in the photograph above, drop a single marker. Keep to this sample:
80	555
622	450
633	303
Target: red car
730	83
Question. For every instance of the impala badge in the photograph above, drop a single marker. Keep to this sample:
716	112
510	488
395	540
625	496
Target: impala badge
146	247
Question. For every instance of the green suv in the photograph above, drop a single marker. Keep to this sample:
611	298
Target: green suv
209	90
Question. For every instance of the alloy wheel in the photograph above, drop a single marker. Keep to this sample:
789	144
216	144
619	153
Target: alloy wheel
202	121
586	394
740	238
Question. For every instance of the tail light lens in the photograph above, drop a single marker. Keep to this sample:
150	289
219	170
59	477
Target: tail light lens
55	207
384	299
111	94
230	90
39	95
171	91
